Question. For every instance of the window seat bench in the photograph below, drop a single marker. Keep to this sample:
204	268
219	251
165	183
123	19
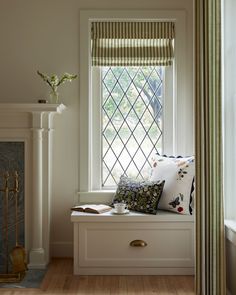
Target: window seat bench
133	244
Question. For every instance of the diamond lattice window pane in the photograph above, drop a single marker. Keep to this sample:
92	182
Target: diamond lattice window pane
125	80
132	146
132	100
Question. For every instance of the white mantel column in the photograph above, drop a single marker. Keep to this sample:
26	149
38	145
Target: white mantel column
47	179
37	254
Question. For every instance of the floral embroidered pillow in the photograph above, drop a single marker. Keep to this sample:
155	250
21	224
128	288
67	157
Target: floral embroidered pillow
142	196
178	174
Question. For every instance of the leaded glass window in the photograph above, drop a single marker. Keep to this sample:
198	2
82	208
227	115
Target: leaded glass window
132	120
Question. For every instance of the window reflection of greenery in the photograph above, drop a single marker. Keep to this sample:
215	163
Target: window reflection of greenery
132	99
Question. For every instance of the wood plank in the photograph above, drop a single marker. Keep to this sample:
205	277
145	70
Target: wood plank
60	280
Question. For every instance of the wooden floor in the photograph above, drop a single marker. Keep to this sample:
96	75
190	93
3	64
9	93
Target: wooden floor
60	280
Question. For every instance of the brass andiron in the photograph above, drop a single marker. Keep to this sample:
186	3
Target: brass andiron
17	254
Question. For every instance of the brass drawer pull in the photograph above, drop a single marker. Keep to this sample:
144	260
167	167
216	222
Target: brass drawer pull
138	243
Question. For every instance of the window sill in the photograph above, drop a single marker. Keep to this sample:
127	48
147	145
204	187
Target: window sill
96	196
230	230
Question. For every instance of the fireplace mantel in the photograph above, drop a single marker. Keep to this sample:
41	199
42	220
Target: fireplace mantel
32	124
32	107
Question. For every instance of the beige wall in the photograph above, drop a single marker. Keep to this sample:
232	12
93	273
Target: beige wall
44	35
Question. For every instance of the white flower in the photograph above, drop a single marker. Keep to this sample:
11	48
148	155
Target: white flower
54	81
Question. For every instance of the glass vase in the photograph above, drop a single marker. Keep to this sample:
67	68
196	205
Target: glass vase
54	97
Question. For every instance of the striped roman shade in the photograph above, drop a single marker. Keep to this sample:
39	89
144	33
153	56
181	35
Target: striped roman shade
132	43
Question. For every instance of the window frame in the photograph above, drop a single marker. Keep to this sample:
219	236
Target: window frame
89	188
96	152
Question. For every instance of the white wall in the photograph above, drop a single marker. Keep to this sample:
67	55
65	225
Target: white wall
44	35
229	65
229	107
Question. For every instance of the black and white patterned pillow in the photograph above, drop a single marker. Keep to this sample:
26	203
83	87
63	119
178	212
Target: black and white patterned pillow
142	196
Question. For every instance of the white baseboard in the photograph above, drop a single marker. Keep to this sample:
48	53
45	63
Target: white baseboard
61	249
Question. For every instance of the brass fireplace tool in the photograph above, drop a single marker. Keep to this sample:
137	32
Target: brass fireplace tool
17	255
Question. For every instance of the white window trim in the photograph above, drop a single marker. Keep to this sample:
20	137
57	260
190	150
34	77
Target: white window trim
96	147
183	92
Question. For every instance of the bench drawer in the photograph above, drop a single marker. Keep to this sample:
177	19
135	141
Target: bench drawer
168	244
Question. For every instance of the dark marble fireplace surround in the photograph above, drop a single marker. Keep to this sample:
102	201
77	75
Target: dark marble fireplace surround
11	160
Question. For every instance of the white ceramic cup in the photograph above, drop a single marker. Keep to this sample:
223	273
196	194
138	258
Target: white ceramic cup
120	207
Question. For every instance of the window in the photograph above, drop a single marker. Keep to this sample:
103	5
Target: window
131	57
129	111
132	109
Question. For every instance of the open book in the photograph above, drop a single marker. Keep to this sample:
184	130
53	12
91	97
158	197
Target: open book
92	208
